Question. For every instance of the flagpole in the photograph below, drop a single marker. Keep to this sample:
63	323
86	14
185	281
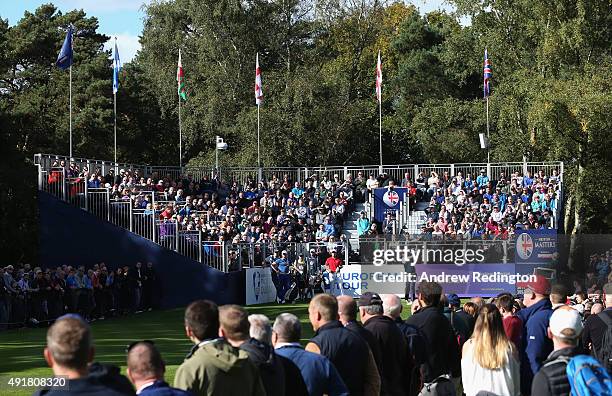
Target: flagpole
180	136
258	152
488	139
70	107
380	131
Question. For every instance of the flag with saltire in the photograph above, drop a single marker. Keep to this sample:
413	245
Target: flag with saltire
180	79
379	79
258	88
64	59
116	68
487	74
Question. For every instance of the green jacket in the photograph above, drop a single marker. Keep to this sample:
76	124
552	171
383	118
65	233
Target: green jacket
217	368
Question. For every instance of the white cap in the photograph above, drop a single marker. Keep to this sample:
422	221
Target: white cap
579	308
565	319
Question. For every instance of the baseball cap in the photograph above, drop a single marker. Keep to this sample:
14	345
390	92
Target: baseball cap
563	320
453	300
369	298
541	285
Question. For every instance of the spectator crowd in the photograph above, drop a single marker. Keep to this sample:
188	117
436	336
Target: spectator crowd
467	207
540	343
29	296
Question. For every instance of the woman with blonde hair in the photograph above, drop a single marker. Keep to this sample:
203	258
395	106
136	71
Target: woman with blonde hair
489	363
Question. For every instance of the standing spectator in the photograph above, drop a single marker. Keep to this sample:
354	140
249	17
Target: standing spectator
395	365
148	285
564	330
457	317
393	309
146	369
347	312
363	224
513	326
319	374
596	326
283	279
558	296
69	351
490	361
346	350
443	355
261	334
332	266
135	278
213	366
234	327
536	345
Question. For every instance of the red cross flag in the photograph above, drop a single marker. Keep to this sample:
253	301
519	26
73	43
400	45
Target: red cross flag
258	90
379	79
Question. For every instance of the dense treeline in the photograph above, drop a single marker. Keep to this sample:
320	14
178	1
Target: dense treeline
551	87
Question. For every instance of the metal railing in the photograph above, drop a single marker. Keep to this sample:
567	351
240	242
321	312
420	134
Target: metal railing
242	174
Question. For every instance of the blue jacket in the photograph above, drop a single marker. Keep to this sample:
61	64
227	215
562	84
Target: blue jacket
536	345
161	388
320	375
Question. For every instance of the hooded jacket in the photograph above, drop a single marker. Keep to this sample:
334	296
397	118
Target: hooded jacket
217	368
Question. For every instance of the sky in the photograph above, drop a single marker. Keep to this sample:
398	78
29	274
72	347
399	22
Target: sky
123	18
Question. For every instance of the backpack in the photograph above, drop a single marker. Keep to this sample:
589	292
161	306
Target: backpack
440	386
588	377
604	354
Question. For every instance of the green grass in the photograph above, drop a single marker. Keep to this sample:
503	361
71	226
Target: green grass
21	351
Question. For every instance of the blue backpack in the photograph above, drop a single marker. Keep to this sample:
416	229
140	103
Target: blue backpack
587	377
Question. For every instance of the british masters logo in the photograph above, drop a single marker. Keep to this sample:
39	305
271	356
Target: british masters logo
524	246
391	198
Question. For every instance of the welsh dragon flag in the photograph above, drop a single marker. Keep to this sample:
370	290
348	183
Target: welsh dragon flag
180	79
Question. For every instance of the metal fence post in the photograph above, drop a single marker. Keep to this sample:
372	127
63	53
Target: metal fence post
108	205
176	233
86	196
64	185
224	256
131	214
200	255
505	247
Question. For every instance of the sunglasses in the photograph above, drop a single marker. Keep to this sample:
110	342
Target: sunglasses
133	344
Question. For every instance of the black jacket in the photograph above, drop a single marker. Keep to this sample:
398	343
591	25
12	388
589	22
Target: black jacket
347	351
552	380
442	349
103	380
396	363
270	367
369	337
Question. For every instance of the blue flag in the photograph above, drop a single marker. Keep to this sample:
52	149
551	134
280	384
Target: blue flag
116	69
64	59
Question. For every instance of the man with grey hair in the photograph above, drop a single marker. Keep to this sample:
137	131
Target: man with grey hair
319	374
260	328
347	312
69	353
395	367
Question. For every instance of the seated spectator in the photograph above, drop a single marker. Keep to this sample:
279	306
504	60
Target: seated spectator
490	361
69	353
213	366
319	374
145	369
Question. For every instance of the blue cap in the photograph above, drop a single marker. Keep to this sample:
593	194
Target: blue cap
453	300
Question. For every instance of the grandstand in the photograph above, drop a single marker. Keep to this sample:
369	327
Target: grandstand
232	218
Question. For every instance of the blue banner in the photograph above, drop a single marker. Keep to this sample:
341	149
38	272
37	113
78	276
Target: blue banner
536	246
387	201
